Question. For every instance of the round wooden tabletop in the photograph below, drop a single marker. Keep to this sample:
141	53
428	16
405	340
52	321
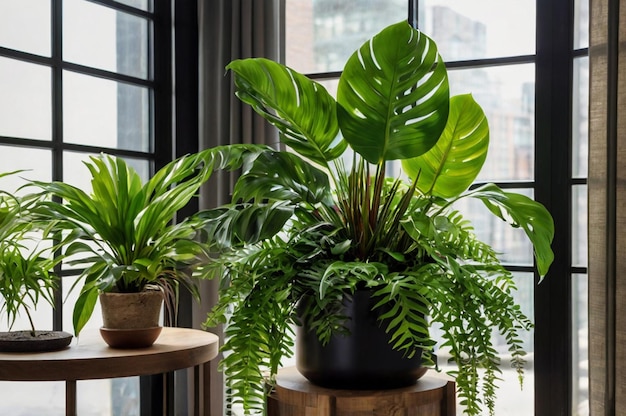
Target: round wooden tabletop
290	379
88	357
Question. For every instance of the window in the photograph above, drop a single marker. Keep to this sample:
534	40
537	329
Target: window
79	78
531	79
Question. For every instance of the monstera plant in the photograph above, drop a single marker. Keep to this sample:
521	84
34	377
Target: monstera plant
309	227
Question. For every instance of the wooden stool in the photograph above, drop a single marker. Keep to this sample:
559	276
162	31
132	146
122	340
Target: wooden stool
294	395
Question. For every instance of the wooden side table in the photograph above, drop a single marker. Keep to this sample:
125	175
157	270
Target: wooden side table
90	358
296	396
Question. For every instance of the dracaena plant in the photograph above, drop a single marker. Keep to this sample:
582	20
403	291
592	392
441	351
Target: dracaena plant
26	257
122	231
324	218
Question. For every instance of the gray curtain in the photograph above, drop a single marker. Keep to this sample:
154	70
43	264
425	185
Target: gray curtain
228	30
607	208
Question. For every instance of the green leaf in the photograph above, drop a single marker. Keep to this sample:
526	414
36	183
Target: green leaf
521	211
83	308
301	109
245	223
451	166
393	95
282	176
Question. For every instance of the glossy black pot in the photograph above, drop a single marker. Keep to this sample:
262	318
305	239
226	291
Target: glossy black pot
364	359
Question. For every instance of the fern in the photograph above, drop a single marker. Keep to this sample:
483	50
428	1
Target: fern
262	310
311	228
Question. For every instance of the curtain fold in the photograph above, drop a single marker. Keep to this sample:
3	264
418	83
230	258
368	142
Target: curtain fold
228	30
607	208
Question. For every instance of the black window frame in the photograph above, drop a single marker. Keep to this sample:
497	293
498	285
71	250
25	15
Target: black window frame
173	114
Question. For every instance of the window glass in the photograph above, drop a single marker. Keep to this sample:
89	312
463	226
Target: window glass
25	26
581	24
507	96
580	118
580	333
32	398
479	29
105	113
139	4
36	164
579	225
103	38
25	100
321	35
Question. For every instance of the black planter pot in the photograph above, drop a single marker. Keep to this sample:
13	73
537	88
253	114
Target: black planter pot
364	359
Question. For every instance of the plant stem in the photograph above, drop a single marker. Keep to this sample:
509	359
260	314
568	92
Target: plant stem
32	325
377	195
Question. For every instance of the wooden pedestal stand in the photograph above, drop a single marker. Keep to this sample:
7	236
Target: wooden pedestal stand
296	396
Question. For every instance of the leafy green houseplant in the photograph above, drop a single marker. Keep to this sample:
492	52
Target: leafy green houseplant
324	220
26	272
123	232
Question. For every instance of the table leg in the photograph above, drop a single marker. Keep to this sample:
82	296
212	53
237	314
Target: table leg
206	388
70	398
202	389
197	391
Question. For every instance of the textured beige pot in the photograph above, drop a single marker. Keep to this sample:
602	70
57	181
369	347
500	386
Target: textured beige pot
131	310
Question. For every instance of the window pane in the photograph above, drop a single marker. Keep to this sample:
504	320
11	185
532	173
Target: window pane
101	37
25	25
581	24
105	113
32	398
580	331
36	163
25	101
321	35
115	397
479	29
580	118
579	225
139	4
507	96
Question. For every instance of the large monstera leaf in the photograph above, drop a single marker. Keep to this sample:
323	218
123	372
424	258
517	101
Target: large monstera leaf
393	95
451	166
302	110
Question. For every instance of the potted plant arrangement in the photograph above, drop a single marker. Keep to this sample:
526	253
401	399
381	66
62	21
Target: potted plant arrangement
26	273
310	229
123	234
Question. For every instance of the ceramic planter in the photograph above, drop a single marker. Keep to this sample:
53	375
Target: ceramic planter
131	320
364	359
